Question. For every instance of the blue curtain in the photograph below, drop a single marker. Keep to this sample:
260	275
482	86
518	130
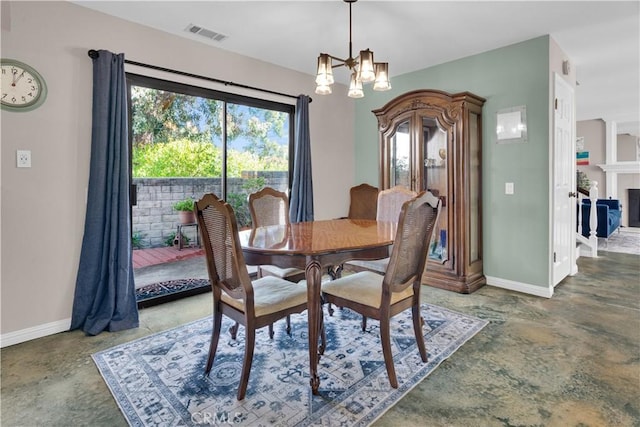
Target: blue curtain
105	292
301	200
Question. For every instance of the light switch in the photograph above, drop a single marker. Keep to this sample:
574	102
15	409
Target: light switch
508	188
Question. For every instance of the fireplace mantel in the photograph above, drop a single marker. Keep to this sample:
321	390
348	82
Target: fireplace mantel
621	167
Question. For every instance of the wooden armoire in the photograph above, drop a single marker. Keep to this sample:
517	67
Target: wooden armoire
432	140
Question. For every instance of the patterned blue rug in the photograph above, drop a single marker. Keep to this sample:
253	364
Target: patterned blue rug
158	380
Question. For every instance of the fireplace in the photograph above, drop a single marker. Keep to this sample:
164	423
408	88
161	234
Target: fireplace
633	210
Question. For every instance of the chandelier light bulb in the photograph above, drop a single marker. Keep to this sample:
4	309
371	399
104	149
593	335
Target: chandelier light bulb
366	73
324	75
355	87
323	90
382	82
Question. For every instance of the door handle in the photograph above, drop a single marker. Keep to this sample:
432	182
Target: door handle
572	194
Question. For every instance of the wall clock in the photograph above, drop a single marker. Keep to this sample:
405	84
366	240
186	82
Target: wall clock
23	88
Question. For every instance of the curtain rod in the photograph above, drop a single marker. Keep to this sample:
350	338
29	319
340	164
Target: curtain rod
94	54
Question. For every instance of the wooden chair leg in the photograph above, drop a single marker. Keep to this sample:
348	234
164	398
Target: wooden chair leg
385	338
418	321
233	331
364	323
250	341
271	331
215	335
335	273
323	335
289	325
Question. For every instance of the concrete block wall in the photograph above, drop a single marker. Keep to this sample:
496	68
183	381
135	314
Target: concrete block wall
154	220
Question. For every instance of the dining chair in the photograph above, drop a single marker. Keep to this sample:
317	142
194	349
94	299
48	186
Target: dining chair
254	304
363	202
388	206
382	297
271	207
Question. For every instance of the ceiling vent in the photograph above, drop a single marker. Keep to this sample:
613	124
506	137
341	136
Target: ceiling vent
194	29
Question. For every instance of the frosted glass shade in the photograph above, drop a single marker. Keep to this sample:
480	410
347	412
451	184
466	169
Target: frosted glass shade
355	87
382	82
366	72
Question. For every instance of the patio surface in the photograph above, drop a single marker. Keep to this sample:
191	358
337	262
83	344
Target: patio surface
154	256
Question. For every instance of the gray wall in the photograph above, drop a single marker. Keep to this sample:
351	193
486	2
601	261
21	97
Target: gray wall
41	251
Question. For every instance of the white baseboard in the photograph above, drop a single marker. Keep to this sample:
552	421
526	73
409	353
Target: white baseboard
526	288
34	332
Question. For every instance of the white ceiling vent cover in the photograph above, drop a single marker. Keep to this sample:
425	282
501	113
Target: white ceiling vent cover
195	29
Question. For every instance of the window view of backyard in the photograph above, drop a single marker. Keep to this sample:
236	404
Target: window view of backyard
185	145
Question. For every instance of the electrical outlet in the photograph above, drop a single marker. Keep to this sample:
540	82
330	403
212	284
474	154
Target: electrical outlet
23	158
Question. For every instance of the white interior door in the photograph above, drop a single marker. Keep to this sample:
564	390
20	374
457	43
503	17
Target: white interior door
564	173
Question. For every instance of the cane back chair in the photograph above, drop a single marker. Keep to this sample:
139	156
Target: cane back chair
253	304
382	297
389	204
271	207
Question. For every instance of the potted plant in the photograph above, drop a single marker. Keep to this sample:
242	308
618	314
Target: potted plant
185	211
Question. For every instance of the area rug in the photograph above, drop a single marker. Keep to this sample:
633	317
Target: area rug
158	380
621	241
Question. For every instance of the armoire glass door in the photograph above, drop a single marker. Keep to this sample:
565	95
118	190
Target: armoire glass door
401	156
434	179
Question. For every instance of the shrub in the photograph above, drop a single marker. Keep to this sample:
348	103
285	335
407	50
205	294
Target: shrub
184	205
172	237
136	241
240	207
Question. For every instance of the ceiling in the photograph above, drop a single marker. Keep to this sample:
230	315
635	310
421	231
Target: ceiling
602	38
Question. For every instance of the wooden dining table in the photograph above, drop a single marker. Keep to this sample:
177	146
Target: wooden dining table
316	247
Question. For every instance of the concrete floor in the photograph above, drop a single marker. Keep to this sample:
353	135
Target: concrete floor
572	360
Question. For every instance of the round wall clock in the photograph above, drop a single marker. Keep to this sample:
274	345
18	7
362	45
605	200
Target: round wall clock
23	88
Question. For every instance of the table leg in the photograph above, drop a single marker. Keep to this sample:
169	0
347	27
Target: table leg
313	274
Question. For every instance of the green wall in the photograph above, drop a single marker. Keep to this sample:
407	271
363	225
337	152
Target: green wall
516	227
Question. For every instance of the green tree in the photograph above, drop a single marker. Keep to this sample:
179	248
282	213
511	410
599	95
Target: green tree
181	135
161	116
182	158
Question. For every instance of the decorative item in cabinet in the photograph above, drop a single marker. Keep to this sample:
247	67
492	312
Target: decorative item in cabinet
432	140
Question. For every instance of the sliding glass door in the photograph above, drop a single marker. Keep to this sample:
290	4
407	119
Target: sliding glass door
187	141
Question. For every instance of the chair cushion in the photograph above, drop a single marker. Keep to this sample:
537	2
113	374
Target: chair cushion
271	294
280	272
364	288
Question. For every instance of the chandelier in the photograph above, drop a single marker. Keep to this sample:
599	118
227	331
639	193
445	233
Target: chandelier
362	68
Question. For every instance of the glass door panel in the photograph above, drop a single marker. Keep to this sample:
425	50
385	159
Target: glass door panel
400	156
434	177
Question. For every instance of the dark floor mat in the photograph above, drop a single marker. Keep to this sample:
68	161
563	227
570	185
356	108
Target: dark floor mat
161	292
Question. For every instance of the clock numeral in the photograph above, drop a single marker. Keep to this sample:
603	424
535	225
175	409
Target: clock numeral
4	95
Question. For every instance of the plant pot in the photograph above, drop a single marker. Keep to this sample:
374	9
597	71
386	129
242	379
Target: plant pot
186	217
